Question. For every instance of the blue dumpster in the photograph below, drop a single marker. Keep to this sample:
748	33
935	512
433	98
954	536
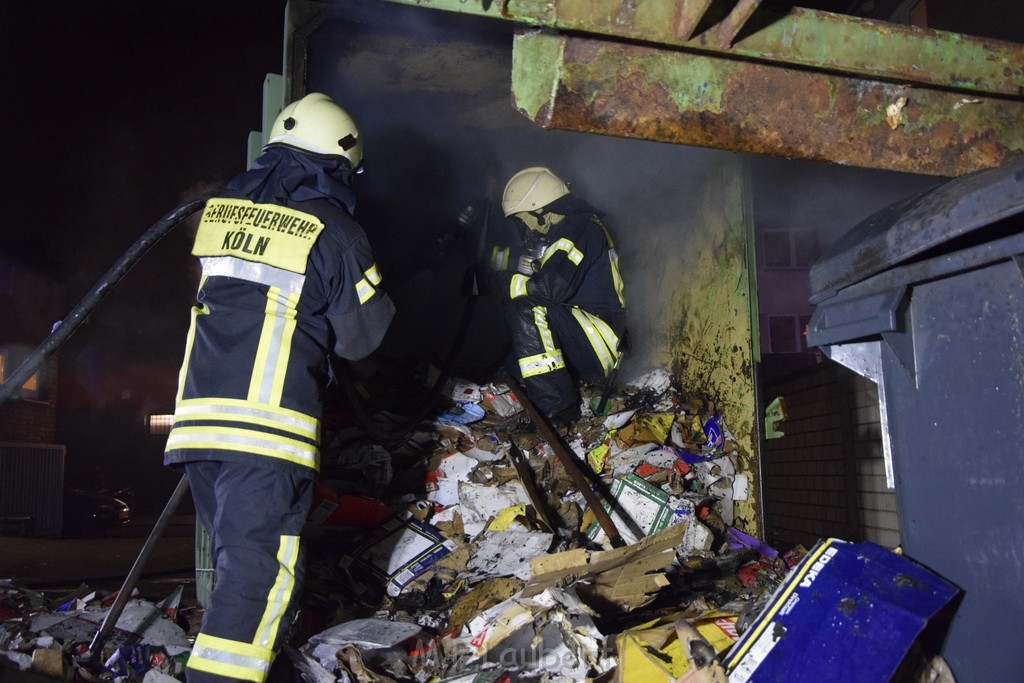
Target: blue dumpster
926	298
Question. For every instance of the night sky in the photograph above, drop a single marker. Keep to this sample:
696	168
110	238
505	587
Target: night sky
116	111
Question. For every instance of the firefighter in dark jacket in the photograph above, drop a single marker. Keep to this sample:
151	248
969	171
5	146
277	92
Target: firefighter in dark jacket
287	279
564	301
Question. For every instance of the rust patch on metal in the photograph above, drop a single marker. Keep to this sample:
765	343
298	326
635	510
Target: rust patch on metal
688	16
770	110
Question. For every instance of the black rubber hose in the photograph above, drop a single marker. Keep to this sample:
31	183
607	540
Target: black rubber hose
66	327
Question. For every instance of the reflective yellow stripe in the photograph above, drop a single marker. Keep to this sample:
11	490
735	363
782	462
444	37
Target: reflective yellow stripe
284	351
566	245
613	257
601	337
364	290
257	378
541	364
244	441
281	592
540	321
189	340
767	618
260	273
551	359
230	658
236	410
271	363
616	277
499	258
517	287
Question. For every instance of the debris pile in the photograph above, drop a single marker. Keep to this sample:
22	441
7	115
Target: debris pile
468	552
494	554
51	636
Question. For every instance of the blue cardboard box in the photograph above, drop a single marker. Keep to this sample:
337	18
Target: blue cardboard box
847	612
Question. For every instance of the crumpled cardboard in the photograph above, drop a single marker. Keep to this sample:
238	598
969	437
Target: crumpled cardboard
639	432
551	635
140	622
481	597
623	578
498	399
668	652
479	503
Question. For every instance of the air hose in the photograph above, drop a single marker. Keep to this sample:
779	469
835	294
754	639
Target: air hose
66	327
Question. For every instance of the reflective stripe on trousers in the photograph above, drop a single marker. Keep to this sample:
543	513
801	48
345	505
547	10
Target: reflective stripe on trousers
254	516
551	358
601	337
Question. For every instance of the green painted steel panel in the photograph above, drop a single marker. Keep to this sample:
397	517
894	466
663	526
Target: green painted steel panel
643	92
801	37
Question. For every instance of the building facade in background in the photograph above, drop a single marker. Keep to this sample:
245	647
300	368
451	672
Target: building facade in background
30	304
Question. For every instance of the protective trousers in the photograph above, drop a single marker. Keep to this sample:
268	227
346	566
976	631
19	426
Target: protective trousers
556	344
254	516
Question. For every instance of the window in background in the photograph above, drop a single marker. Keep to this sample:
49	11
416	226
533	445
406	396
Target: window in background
160	424
789	248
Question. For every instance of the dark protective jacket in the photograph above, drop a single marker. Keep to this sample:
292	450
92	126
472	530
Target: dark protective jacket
569	309
579	266
288	277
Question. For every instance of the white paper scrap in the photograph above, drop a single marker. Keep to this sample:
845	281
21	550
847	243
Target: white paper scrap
478	503
506	553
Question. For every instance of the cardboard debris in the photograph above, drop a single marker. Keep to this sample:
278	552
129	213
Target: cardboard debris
639	510
626	578
666	650
498	399
399	551
481	597
140	622
553	635
49	663
467	554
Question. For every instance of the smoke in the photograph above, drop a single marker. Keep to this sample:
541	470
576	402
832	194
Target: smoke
431	92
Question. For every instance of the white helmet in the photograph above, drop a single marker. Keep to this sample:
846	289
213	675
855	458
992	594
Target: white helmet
317	124
532	189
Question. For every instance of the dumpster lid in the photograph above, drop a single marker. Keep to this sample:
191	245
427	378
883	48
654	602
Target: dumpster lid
909	227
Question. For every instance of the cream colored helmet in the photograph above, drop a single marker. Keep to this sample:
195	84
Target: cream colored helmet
317	124
532	189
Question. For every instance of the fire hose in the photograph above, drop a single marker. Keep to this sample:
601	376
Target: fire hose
64	329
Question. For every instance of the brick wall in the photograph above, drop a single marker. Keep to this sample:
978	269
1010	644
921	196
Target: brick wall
826	476
28	422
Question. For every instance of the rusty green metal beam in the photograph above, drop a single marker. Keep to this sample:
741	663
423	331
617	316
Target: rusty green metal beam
803	38
628	90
